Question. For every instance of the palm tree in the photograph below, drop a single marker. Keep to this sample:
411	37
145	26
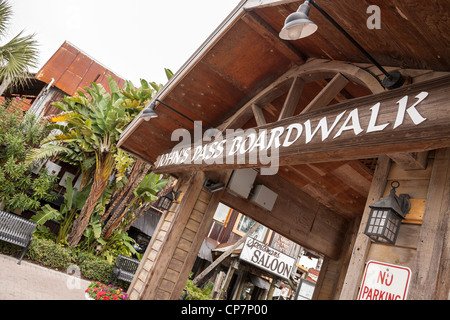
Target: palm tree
18	55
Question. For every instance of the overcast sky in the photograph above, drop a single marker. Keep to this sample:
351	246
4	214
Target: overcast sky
133	38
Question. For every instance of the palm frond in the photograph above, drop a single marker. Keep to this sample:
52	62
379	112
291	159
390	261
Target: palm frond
5	16
17	57
45	152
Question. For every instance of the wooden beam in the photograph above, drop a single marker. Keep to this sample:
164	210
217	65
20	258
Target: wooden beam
295	215
200	235
410	160
257	4
362	243
429	274
353	131
327	94
293	97
259	116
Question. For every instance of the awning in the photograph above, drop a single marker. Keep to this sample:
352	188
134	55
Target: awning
260	282
205	250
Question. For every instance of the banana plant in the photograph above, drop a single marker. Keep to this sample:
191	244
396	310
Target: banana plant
90	127
73	202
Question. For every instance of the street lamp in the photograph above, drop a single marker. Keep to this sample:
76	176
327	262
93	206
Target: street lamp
297	25
386	216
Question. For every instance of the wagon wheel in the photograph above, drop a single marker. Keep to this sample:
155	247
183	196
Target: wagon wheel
333	76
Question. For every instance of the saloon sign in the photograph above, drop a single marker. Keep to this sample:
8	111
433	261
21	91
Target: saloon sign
383	281
267	258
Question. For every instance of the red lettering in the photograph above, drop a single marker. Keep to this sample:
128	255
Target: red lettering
375	294
369	295
365	290
383	276
390	276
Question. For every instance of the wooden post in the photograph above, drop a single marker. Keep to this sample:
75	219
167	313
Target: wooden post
215	293
272	288
163	259
362	243
430	273
197	231
169	258
234	264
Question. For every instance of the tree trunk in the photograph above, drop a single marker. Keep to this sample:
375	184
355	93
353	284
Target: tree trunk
144	208
140	167
139	172
103	171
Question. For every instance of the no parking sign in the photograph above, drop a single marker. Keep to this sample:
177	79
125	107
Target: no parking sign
383	281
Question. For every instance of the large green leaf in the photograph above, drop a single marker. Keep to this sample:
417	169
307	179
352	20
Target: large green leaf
47	213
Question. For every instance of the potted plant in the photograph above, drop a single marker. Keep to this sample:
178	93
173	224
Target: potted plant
100	291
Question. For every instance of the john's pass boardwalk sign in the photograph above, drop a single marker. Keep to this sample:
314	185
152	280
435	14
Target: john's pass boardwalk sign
412	118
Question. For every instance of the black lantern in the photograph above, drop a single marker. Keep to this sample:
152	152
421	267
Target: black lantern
386	216
166	200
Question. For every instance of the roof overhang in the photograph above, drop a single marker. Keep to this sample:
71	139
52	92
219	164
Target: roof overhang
244	55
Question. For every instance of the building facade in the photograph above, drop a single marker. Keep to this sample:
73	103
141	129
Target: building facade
326	137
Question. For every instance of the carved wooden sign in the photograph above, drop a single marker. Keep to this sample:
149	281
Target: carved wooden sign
412	118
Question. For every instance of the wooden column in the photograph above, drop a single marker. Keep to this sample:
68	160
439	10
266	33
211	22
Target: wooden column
430	273
362	243
170	256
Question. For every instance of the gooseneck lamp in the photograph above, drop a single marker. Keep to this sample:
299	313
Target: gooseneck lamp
386	216
297	25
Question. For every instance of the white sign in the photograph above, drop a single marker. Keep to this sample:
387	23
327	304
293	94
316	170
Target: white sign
267	258
383	281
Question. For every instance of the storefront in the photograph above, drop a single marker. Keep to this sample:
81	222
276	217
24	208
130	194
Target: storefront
323	138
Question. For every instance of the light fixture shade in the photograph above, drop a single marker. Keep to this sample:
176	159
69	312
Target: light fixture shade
297	25
149	112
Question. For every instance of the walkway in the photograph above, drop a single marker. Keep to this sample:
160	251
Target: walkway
29	281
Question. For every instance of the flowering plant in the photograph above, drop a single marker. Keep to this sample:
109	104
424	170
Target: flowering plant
100	291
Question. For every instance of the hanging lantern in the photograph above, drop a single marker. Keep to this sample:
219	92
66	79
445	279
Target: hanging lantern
386	216
165	202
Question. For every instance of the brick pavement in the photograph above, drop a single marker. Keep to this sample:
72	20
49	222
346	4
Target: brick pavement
29	281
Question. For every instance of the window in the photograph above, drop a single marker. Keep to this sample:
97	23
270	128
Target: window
222	213
244	224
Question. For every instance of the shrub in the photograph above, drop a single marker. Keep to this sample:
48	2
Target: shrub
53	255
49	254
195	293
94	267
